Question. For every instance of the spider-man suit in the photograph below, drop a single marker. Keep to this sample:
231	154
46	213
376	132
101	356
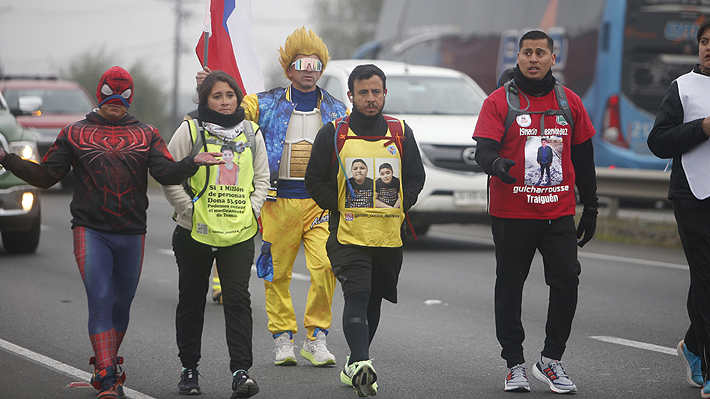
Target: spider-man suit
111	163
111	160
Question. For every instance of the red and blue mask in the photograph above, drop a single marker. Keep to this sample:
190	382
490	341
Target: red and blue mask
115	87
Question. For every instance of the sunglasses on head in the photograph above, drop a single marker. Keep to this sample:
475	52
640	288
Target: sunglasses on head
303	63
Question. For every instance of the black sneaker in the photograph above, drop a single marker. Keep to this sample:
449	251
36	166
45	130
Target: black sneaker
188	384
243	386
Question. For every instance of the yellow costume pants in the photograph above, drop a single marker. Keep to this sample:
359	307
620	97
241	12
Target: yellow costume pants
286	222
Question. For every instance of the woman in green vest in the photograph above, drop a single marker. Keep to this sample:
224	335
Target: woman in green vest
217	221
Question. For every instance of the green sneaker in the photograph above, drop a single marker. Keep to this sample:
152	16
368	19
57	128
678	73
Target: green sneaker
361	376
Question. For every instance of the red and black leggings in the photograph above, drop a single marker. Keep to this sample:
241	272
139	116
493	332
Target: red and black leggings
110	265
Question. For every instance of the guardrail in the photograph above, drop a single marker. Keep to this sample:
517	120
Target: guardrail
635	184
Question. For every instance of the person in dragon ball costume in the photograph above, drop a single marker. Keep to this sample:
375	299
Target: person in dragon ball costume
290	118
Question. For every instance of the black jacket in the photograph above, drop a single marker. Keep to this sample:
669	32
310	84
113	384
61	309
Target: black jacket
671	138
322	173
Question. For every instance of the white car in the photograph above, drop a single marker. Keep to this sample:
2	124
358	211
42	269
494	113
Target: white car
441	106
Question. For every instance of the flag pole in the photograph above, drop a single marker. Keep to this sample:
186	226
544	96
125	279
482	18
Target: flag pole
207	31
206	38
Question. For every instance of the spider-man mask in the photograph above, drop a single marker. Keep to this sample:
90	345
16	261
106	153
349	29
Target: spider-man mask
115	87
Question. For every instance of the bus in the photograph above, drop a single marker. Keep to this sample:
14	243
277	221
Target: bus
619	56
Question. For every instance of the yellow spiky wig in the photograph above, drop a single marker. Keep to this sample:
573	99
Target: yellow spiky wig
305	42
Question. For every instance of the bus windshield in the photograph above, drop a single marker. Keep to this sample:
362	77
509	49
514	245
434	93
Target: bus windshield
659	46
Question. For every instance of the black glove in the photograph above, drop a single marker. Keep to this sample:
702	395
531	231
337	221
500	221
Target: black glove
587	225
501	167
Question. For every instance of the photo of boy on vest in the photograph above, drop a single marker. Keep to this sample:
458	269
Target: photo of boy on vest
387	187
228	173
363	186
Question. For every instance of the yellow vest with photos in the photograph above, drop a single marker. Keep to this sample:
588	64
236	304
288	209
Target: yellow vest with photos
364	220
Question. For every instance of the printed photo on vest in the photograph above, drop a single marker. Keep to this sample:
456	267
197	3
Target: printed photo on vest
387	185
228	173
543	161
360	178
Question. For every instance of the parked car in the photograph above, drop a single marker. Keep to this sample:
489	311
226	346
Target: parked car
46	106
441	106
20	215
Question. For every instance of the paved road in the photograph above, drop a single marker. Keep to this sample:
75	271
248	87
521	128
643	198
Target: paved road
438	342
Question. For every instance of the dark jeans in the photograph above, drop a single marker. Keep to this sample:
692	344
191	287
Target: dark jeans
516	241
693	218
194	261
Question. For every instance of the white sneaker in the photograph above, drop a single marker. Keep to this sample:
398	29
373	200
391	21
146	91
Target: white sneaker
284	350
517	379
555	376
317	351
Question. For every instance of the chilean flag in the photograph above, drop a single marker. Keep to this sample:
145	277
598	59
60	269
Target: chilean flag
231	44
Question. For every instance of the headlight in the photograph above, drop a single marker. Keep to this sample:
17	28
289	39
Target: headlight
25	149
27	201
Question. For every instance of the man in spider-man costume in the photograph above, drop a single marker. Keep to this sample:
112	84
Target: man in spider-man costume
111	153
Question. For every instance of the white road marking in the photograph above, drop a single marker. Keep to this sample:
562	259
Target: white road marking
636	344
61	367
634	260
580	254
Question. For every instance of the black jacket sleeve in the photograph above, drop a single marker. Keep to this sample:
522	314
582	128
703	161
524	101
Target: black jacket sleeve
321	172
585	173
486	154
670	137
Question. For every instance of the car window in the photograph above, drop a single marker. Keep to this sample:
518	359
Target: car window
53	101
426	95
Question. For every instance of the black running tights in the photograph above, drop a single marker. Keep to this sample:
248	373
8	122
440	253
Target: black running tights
361	316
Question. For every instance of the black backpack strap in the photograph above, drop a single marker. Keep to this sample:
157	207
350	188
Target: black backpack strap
506	77
513	100
564	105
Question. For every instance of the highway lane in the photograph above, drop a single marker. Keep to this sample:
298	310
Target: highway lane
439	341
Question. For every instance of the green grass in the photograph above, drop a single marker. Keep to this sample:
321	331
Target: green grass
638	232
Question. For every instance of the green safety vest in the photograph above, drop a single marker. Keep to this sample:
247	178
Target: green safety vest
222	214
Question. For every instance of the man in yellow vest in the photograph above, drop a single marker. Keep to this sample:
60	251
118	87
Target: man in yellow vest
365	242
